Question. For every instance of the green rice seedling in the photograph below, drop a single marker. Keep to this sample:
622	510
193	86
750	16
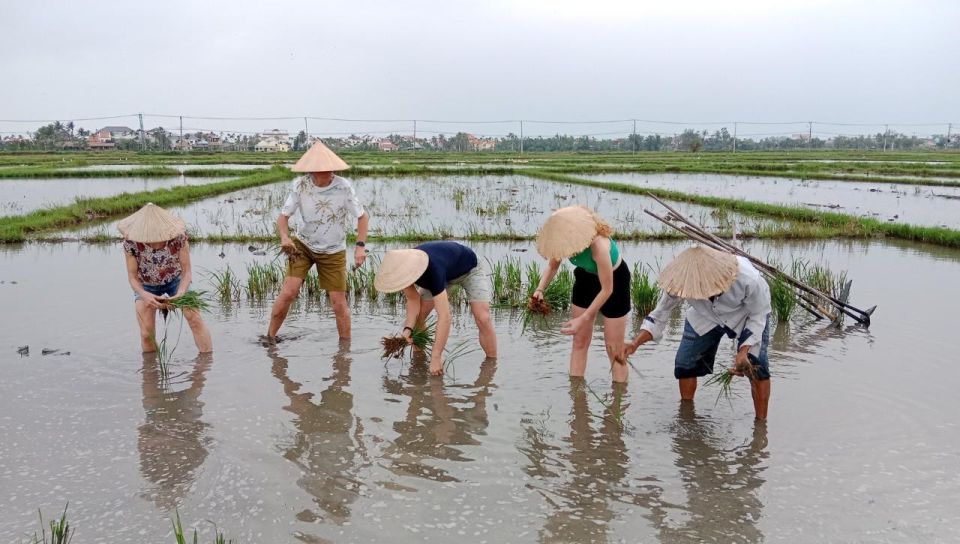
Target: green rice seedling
644	291
181	536
191	300
60	531
558	293
312	284
723	380
225	285
421	337
459	195
533	278
456	296
263	279
783	298
611	405
514	282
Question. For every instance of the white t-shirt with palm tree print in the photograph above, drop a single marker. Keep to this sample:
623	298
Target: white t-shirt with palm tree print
327	212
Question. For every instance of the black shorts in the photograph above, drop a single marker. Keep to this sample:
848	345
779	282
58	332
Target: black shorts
586	287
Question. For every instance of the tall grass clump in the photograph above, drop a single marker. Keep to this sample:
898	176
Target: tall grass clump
644	292
60	531
783	298
226	285
507	277
263	279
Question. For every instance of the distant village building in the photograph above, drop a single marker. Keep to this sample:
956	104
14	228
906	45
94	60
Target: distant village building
481	144
272	145
120	133
387	145
101	140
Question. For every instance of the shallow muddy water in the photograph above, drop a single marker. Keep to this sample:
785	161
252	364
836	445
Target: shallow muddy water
914	204
446	205
19	196
317	441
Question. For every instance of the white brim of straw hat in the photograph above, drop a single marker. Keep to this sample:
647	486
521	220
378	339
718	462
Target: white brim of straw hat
151	224
399	269
699	273
319	158
567	232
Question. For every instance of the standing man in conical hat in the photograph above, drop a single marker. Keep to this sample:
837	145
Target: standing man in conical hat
328	207
727	296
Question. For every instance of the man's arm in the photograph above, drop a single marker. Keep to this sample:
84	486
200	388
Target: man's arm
360	252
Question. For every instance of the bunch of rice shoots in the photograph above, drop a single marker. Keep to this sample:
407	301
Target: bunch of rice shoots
422	337
191	300
60	531
724	380
536	309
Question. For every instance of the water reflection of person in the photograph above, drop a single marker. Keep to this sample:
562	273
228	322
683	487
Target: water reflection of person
172	440
436	424
323	447
588	475
721	484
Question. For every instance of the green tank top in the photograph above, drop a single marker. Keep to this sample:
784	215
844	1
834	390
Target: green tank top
584	259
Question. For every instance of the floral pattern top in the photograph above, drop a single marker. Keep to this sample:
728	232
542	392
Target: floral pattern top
157	266
328	213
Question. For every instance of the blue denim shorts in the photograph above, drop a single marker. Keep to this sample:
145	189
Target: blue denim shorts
697	353
168	289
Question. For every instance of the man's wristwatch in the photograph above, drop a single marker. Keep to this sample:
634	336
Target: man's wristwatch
361	244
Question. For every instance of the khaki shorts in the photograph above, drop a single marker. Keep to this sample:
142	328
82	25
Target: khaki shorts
331	267
475	284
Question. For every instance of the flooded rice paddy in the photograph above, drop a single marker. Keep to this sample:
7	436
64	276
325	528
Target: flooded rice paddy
318	441
446	206
20	196
914	204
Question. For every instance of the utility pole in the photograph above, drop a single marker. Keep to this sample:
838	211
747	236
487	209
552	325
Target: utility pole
181	133
886	129
634	135
949	131
521	136
734	136
809	134
306	131
142	143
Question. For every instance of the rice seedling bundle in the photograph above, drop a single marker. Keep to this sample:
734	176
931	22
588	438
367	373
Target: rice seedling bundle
422	337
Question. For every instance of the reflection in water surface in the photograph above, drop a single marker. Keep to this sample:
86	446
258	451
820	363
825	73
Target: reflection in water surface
326	446
173	438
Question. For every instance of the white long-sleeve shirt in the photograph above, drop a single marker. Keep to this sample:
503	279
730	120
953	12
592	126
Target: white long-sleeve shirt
745	305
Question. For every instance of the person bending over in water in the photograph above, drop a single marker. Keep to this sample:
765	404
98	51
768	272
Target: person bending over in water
423	274
158	268
726	297
601	282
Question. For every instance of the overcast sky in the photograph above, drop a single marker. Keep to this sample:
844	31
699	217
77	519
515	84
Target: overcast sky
678	60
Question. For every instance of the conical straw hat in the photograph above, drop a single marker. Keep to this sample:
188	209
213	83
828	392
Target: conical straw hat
399	269
151	224
319	158
567	232
699	273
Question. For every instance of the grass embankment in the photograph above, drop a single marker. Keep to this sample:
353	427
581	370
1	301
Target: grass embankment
32	172
814	223
88	210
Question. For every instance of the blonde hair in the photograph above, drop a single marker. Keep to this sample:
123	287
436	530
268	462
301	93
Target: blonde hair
603	228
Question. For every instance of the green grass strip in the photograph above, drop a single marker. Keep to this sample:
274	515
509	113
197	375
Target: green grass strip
31	172
843	224
88	210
